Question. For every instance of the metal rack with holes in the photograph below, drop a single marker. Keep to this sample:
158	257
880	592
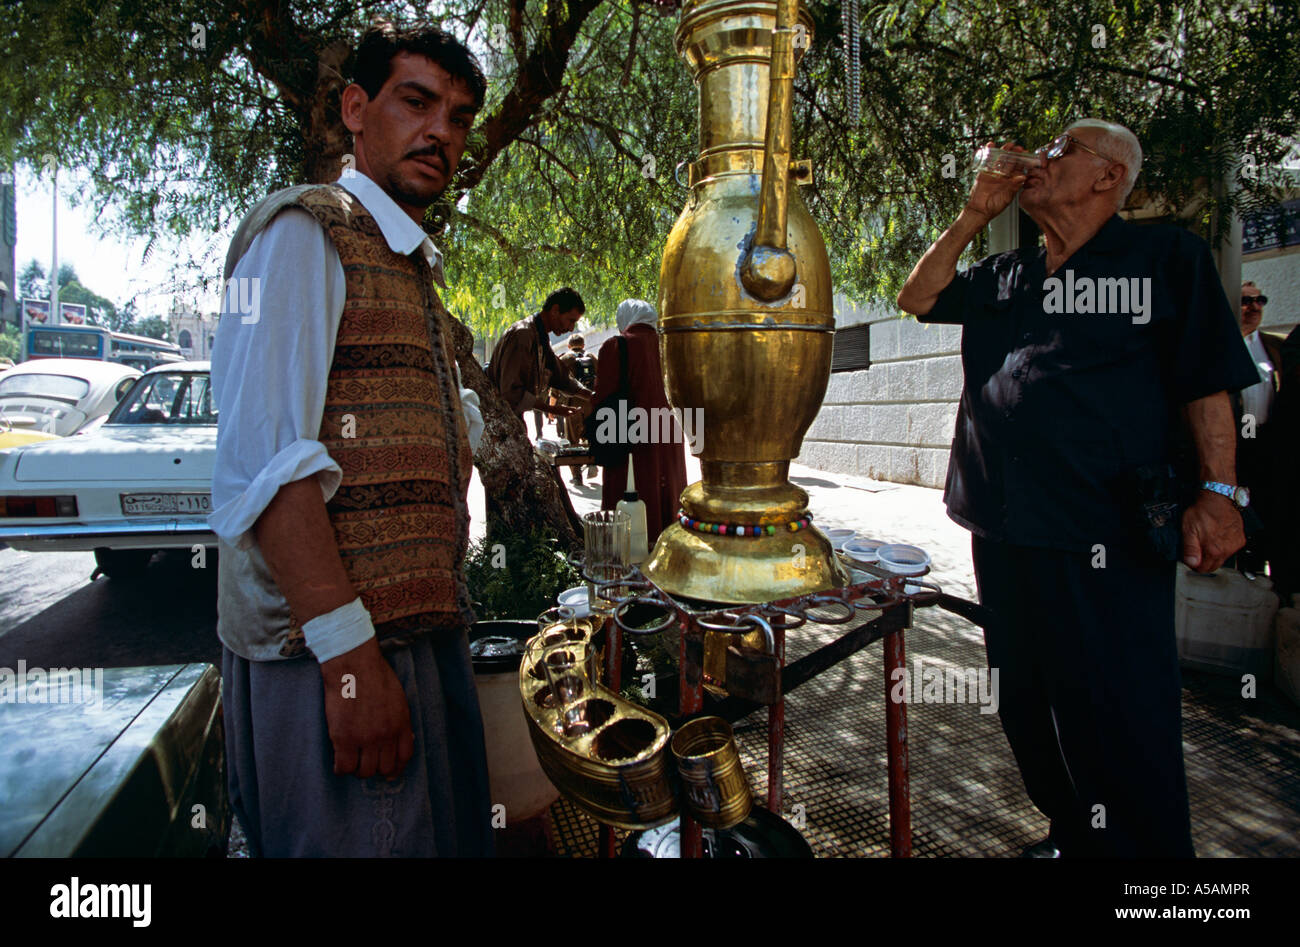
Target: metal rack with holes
761	678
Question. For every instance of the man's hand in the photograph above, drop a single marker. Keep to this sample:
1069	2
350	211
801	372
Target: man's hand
369	718
1212	532
991	194
1212	529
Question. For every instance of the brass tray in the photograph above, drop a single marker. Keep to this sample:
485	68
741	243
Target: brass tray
618	773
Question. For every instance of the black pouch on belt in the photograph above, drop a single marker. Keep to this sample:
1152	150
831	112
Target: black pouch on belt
1161	497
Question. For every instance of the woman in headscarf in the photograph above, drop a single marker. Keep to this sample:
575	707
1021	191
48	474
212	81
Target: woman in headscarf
659	468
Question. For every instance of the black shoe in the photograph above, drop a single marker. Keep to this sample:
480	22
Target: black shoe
1044	849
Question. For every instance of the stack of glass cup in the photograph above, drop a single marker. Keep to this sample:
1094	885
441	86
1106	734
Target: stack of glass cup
607	543
569	656
569	679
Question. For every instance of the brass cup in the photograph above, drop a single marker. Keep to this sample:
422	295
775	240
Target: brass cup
714	789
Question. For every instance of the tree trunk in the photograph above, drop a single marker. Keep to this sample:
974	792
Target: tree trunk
327	139
522	490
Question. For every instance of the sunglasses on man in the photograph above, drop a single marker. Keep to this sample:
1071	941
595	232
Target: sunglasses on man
1252	300
1059	147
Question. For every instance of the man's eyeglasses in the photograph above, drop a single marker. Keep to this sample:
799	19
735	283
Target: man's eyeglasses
1252	300
1059	147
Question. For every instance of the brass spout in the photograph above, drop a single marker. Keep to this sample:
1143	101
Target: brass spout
769	270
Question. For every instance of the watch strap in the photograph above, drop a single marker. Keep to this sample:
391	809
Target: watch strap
1226	490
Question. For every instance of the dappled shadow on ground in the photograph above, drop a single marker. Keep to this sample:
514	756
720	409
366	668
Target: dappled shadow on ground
1243	761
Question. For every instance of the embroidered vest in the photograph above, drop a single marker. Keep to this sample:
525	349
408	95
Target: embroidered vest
393	423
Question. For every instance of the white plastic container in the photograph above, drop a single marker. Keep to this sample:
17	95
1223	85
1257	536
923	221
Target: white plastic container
634	507
1224	622
1287	672
903	559
862	550
838	536
576	599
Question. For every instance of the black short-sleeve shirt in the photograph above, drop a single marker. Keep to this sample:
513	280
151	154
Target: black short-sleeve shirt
1073	383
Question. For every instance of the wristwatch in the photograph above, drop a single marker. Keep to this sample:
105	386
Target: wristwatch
1239	496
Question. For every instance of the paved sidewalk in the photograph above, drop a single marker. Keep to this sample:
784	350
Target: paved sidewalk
1243	755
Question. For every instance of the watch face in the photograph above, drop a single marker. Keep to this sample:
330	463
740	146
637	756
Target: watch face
1241	496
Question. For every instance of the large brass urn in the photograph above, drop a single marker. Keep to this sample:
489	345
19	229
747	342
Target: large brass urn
745	316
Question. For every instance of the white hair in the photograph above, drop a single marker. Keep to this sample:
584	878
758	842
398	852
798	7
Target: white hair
1118	144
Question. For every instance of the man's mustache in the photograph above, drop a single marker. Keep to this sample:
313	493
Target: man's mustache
433	151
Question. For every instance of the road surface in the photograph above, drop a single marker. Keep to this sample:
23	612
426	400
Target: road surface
52	615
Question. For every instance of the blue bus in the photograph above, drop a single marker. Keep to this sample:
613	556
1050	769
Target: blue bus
96	342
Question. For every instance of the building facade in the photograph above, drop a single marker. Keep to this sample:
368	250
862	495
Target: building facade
193	331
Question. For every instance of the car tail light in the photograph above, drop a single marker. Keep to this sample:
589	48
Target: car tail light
38	506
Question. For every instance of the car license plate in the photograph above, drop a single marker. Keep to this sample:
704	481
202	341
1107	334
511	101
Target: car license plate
141	503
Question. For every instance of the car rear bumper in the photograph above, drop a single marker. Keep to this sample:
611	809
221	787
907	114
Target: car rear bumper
170	533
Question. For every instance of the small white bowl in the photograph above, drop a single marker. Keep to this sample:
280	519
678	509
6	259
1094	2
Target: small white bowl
862	550
839	536
576	599
903	560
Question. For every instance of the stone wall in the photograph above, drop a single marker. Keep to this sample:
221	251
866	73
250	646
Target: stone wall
895	420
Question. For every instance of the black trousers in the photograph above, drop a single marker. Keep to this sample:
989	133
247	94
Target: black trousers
1090	694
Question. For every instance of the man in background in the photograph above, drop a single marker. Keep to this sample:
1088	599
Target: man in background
523	366
1254	407
582	367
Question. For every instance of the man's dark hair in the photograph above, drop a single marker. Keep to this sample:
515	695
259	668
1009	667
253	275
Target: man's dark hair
384	40
566	299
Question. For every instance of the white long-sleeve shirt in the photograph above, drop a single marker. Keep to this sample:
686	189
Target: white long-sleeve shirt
269	375
1257	399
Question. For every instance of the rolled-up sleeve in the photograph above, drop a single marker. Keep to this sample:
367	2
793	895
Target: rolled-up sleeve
270	370
955	298
1209	356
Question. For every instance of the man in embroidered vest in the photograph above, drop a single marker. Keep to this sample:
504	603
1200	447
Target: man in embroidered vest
339	492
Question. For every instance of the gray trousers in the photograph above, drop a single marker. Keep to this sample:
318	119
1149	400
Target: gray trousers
280	762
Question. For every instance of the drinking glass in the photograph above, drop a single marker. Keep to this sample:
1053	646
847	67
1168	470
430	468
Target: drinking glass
566	673
607	542
1005	164
560	618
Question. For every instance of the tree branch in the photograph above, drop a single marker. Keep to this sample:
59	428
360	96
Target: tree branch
516	26
1147	76
550	154
631	47
539	77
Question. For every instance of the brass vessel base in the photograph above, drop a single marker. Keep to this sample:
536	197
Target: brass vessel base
740	569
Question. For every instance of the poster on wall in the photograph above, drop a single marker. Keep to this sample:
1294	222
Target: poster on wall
36	312
74	314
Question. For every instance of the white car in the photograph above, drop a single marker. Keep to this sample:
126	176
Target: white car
139	483
61	395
